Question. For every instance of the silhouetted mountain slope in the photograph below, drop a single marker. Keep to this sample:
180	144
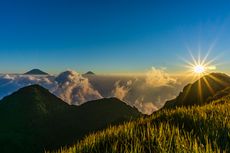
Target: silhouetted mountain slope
223	94
32	119
199	92
35	72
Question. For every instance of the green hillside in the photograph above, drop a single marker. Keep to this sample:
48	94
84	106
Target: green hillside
33	120
185	129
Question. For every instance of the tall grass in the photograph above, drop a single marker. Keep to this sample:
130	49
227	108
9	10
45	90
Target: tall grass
197	129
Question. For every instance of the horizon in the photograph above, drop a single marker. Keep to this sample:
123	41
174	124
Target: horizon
143	73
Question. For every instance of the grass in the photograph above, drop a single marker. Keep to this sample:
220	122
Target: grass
197	129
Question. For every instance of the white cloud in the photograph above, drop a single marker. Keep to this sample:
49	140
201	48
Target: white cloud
120	91
70	86
74	88
147	93
158	77
145	107
11	83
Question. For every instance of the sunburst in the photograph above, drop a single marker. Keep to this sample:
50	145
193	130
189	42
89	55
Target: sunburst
199	69
199	66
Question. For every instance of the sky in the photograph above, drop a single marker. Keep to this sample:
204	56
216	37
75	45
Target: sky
112	36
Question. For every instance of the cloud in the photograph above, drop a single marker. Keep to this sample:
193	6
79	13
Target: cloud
70	86
74	88
11	83
158	77
212	67
145	107
120	91
147	93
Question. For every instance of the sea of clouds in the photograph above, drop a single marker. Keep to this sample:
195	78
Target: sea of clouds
147	93
70	86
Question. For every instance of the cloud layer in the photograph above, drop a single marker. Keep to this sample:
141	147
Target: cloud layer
158	77
74	88
70	86
121	91
147	93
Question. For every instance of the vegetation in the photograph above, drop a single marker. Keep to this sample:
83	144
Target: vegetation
184	129
32	120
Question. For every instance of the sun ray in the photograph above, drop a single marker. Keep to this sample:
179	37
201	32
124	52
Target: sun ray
200	66
199	58
208	85
218	80
186	92
200	96
187	62
205	58
193	58
210	61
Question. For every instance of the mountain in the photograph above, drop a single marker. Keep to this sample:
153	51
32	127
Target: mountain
35	72
89	73
32	119
198	129
219	95
200	91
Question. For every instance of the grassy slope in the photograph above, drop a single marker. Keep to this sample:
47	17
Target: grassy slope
195	129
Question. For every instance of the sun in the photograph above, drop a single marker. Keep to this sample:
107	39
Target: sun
199	69
199	66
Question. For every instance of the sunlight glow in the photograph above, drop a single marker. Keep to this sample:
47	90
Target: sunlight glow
199	69
199	66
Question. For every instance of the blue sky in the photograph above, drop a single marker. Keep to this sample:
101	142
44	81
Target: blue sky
111	36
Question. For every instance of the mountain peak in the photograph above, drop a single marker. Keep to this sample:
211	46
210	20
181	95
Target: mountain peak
33	87
32	90
33	97
36	72
198	92
33	109
89	73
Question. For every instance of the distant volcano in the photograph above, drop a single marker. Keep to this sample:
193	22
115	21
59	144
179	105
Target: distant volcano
35	72
89	73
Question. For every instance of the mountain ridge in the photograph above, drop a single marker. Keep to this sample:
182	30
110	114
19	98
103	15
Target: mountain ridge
38	119
197	93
